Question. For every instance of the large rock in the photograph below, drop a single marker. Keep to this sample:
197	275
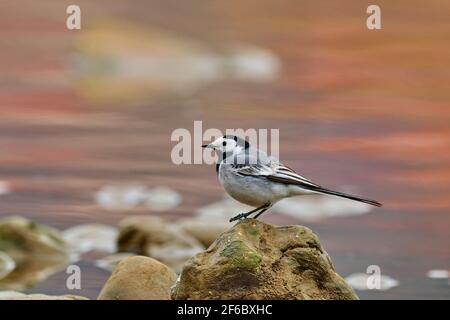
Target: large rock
156	238
139	278
14	295
37	251
254	260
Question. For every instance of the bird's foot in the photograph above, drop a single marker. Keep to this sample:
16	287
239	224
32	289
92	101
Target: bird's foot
239	217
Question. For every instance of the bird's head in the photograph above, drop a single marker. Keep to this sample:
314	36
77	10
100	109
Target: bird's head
228	144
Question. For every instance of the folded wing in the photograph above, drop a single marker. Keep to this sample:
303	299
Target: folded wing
279	173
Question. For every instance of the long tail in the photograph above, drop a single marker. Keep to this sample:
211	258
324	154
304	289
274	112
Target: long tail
308	185
344	195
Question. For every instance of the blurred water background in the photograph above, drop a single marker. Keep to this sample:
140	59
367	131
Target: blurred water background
86	115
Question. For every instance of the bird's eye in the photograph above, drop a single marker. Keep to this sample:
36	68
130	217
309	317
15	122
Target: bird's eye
235	138
224	143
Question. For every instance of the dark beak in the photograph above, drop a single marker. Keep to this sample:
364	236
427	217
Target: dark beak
205	146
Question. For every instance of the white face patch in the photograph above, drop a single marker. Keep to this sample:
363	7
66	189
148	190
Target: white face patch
224	145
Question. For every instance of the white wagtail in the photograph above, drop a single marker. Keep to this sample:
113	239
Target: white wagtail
252	177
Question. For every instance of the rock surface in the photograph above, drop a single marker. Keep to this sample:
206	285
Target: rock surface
254	260
139	278
38	251
14	295
153	237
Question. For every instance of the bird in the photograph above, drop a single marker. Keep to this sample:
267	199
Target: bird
254	178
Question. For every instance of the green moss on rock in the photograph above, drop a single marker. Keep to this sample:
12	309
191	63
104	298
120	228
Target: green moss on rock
241	255
251	229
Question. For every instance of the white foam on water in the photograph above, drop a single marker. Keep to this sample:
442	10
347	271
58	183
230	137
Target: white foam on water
438	274
125	197
162	198
314	208
359	281
111	261
91	237
5	187
120	197
254	63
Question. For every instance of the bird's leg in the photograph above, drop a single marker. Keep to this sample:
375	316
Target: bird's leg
246	214
267	206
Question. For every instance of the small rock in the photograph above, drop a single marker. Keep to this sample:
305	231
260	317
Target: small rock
153	237
38	251
139	278
91	237
254	260
204	230
14	295
360	281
